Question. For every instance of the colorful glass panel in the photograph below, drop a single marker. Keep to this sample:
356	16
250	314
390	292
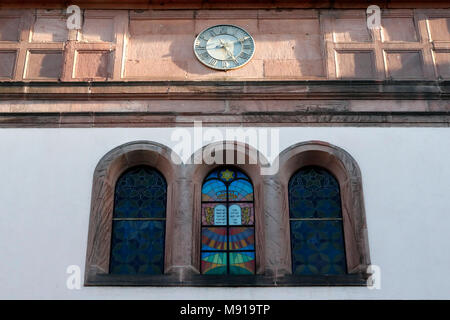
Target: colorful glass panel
208	213
241	175
214	263
241	238
214	238
212	175
242	263
227	201
246	212
240	190
227	175
137	247
317	240
140	193
214	190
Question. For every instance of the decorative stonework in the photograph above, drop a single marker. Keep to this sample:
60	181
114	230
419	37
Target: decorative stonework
128	45
346	171
196	173
183	234
108	170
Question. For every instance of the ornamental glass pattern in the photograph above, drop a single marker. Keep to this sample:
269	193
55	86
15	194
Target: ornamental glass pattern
139	219
317	240
228	223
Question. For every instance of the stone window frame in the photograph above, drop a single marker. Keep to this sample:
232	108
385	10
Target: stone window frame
183	233
346	171
252	163
106	174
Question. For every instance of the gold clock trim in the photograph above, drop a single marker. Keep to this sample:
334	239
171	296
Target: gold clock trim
222	69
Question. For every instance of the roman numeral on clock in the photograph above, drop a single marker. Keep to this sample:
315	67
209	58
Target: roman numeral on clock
213	62
200	48
223	30
244	55
204	55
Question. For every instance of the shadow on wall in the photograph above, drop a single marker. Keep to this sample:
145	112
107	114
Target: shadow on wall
284	51
401	64
186	65
277	54
191	66
51	65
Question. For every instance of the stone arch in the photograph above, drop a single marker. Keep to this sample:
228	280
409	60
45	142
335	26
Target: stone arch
346	170
251	163
108	170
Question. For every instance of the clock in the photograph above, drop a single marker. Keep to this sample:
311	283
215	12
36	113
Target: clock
224	47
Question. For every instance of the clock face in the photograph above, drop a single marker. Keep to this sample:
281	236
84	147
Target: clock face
224	47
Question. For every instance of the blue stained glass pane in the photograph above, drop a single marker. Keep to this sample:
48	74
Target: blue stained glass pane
240	174
137	247
317	247
314	193
212	175
140	193
214	190
240	190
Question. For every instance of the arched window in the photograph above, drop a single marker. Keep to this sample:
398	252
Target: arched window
228	223
315	214
139	218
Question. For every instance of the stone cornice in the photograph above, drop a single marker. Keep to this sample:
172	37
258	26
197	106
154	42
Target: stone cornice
230	90
224	4
167	119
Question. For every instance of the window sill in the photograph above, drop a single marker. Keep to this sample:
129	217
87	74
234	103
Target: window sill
197	280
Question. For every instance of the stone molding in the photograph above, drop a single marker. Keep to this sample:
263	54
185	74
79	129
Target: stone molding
183	234
232	90
346	170
108	170
198	4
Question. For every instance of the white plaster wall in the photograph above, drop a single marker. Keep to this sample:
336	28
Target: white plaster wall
45	189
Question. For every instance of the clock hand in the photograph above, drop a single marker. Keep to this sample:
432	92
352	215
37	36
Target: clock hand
230	54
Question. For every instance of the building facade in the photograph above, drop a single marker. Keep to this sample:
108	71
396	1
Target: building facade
314	166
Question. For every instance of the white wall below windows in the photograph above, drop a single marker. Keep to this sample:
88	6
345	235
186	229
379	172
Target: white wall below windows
45	196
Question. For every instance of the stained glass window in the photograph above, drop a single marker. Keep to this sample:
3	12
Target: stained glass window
228	223
139	219
317	240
